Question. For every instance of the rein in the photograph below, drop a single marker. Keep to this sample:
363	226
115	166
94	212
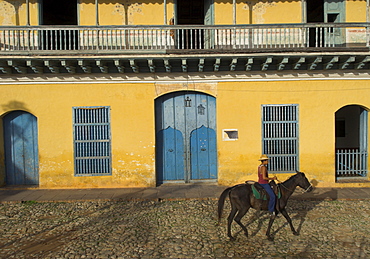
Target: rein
304	190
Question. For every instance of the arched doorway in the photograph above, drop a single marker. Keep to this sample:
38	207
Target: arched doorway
186	137
351	137
21	148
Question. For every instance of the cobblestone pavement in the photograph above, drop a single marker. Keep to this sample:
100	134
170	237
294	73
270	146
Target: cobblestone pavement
179	229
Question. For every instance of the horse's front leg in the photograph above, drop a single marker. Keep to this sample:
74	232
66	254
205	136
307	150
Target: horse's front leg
269	237
285	214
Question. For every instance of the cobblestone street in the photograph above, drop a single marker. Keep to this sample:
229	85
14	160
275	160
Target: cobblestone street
179	229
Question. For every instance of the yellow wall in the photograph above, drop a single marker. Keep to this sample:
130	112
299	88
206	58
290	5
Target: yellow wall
133	130
15	13
129	12
239	107
125	12
355	11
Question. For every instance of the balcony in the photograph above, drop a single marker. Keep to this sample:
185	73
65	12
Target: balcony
159	39
298	46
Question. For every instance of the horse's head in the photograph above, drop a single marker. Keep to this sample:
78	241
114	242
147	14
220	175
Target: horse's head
303	182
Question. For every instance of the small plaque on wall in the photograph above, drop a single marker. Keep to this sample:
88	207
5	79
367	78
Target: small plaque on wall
230	134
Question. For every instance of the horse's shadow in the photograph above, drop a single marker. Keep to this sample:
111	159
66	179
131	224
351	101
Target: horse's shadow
315	201
298	200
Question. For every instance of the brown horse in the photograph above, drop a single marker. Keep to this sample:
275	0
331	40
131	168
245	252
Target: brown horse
242	198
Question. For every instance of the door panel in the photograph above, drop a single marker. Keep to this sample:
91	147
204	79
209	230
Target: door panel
170	154
192	115
208	20
334	13
21	151
203	154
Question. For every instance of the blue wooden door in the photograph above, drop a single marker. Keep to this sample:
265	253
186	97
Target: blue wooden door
170	155
184	122
21	151
203	153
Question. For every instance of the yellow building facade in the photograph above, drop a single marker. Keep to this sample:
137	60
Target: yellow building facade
136	94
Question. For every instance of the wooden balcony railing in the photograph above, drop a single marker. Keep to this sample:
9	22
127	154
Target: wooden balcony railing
117	39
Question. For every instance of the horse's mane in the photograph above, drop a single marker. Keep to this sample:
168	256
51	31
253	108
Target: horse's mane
290	178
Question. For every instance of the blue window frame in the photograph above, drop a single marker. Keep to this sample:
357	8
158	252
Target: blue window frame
280	137
92	141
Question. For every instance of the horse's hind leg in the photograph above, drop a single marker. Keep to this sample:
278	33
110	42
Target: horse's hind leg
238	218
230	219
285	214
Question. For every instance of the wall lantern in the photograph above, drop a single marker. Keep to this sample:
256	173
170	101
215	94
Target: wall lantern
201	109
187	102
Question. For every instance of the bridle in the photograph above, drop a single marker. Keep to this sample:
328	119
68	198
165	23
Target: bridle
304	190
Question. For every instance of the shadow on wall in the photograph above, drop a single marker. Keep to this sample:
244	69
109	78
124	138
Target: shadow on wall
14	105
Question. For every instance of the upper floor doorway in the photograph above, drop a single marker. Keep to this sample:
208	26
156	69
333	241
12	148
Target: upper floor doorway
193	12
325	11
59	12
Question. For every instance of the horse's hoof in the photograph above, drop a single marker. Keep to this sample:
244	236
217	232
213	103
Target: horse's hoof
295	233
270	238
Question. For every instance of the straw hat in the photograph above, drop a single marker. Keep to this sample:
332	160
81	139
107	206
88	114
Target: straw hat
263	157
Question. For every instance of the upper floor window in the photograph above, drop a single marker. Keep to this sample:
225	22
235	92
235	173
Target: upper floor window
92	141
280	137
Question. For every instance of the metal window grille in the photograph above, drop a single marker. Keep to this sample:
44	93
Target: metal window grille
92	141
280	137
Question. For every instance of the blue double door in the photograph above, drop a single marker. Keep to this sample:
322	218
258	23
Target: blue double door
21	148
186	137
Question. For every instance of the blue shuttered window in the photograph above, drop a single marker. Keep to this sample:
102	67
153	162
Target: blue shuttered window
92	141
280	137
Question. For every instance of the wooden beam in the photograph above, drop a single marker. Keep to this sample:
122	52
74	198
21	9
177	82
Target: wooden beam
119	66
167	65
85	66
35	66
201	65
299	63
282	64
362	63
151	65
265	65
18	67
102	66
313	65
330	64
184	66
68	66
4	68
248	65
347	62
52	66
233	64
216	66
134	66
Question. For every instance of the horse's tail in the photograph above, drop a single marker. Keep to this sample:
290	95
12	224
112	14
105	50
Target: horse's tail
221	202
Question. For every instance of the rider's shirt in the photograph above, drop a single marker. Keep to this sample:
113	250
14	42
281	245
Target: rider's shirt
260	176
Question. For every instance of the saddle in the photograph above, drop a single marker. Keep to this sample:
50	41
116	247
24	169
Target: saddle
260	193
